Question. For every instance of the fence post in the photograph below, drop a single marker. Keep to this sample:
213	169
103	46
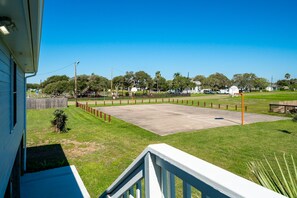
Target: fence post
235	107
219	106
192	102
187	102
112	102
96	103
245	108
177	101
182	101
204	104
211	104
198	103
142	101
169	100
104	102
162	100
100	114
227	106
120	102
109	118
105	117
97	113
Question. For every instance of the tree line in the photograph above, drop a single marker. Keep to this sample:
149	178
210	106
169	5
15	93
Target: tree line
95	84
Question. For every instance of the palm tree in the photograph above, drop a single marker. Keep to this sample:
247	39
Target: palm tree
287	76
158	76
279	177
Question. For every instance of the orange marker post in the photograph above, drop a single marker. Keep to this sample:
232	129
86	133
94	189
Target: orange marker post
242	109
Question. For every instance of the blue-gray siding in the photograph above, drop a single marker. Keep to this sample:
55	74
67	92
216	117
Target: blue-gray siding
10	137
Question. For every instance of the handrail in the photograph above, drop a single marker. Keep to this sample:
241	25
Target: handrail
159	163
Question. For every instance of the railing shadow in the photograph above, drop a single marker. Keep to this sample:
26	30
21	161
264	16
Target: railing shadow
45	157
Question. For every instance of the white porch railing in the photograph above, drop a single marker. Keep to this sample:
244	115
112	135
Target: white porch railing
157	167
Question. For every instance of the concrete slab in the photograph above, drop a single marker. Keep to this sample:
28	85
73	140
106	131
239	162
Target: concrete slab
59	183
166	119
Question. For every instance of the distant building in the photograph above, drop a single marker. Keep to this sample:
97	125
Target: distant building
233	91
20	32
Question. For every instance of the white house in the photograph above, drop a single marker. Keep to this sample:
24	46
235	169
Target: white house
20	32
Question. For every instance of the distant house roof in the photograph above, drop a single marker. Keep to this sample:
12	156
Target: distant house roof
24	41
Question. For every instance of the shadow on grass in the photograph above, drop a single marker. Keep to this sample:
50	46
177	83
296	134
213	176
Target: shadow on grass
45	157
285	131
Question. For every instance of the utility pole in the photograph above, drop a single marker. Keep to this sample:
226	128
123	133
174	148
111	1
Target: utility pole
75	82
111	81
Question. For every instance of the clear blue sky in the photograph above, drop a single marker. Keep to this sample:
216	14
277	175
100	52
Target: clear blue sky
195	36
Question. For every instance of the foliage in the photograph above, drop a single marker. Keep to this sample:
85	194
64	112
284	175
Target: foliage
290	83
287	76
282	179
129	79
53	79
59	121
201	79
180	82
217	81
56	88
261	83
32	86
143	80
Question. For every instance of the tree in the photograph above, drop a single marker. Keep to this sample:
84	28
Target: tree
118	82
261	83
53	79
180	82
157	79
287	76
56	88
129	80
217	81
97	83
201	79
143	80
59	121
162	84
244	81
32	86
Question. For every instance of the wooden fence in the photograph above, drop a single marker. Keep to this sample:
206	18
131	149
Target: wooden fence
46	103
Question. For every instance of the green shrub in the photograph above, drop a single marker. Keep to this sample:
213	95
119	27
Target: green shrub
281	179
59	121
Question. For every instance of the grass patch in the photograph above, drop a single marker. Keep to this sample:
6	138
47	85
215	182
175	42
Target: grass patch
101	151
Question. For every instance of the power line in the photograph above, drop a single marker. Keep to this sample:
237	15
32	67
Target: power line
55	70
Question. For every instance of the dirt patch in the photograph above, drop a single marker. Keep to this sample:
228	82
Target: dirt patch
78	149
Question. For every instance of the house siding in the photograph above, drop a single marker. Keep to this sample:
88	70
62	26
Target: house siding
10	136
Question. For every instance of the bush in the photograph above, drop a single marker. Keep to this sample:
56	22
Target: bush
59	121
281	179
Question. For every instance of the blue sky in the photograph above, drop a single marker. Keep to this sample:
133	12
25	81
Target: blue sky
199	37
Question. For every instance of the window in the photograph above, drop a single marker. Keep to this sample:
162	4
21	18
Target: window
14	94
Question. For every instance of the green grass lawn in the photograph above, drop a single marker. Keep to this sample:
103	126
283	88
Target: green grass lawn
101	151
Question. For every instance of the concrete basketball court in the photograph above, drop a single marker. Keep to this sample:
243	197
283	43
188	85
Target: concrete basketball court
164	119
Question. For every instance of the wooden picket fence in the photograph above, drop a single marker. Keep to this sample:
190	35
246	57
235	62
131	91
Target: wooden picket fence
46	103
175	101
95	112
